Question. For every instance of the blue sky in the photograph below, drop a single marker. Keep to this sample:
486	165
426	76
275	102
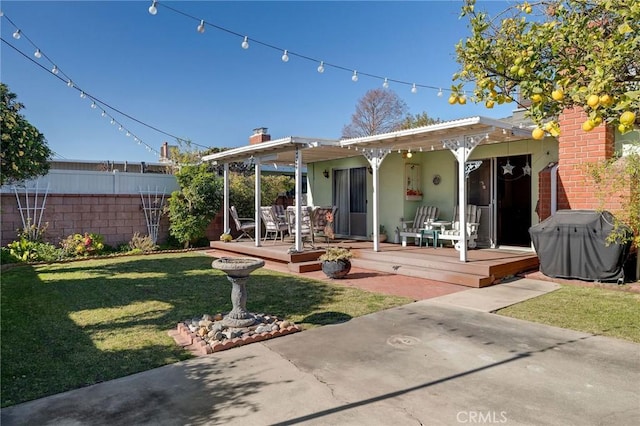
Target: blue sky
205	87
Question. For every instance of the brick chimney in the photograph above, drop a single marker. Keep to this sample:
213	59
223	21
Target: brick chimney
259	135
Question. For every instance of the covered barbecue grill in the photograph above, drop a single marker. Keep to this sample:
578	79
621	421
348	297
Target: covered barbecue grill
573	244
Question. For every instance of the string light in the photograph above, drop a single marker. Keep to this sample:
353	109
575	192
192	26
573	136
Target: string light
153	9
386	83
414	89
103	113
54	70
285	56
70	83
245	43
201	27
120	127
93	105
37	54
112	121
321	67
354	77
439	93
16	35
82	94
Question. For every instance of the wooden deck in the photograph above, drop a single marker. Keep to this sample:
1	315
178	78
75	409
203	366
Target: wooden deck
484	267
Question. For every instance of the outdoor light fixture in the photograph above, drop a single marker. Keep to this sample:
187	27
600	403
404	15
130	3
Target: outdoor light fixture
414	89
37	54
354	77
245	43
285	56
16	35
153	9
321	67
440	93
54	70
386	83
201	27
113	121
93	105
103	113
70	83
82	95
120	128
326	173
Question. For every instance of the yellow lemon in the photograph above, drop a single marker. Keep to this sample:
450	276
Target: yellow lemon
622	128
588	125
537	133
536	98
489	104
453	99
593	101
628	118
557	95
606	100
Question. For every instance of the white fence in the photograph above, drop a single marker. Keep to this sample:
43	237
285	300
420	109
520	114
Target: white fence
95	182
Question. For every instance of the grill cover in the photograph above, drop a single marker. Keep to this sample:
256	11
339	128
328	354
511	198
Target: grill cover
572	244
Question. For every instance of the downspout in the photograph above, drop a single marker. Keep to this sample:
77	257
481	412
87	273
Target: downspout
554	189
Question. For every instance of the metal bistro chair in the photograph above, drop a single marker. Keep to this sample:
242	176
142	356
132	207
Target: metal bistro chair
243	225
272	224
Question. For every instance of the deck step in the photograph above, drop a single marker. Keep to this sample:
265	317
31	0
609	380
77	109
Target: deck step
302	267
445	275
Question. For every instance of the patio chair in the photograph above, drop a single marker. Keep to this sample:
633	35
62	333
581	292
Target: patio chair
319	221
305	223
473	222
244	225
272	224
414	228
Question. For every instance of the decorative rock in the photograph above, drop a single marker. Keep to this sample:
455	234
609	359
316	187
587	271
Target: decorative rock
284	324
217	317
202	332
275	327
193	328
207	317
204	323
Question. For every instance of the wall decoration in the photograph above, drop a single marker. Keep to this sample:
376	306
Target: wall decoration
412	190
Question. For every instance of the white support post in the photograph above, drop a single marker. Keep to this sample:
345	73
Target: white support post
375	157
258	201
225	211
461	149
298	199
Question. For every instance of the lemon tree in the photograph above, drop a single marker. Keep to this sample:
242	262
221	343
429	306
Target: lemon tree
557	54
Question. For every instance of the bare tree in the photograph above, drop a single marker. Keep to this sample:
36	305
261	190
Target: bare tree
378	111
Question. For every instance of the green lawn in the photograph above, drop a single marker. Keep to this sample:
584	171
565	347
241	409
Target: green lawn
593	310
69	325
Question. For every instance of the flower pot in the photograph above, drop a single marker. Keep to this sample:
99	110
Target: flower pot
336	268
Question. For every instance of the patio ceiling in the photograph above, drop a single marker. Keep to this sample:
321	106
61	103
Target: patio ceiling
427	138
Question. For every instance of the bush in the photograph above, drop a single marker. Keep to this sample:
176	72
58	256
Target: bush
83	245
142	243
7	257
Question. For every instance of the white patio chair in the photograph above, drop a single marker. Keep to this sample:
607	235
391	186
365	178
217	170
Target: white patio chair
272	224
244	225
473	223
413	228
306	229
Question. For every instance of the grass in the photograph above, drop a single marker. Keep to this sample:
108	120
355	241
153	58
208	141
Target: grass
592	310
69	325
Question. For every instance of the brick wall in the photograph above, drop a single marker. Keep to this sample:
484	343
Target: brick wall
116	217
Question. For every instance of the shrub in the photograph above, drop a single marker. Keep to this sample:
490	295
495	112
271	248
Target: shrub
82	245
7	257
142	243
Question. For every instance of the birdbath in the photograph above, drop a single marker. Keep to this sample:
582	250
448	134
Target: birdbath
237	270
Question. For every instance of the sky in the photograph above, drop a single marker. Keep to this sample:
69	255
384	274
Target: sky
173	82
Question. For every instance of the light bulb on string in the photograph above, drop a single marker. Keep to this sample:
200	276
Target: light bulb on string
54	70
37	54
82	95
1	13
112	121
354	77
245	43
285	56
440	93
201	27
153	9
321	67
414	89
386	83
128	134
93	105
103	113
70	83
120	127
17	34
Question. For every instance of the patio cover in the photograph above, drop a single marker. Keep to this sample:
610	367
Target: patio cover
459	136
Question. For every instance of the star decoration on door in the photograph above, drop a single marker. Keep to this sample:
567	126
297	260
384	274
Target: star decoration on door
526	170
507	169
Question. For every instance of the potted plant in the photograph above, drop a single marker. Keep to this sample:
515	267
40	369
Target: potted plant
335	262
382	235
